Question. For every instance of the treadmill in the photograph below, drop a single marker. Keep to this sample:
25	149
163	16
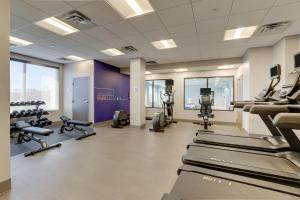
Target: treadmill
282	167
274	143
201	183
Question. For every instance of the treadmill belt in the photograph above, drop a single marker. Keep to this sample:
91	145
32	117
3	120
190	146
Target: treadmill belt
241	142
243	162
196	184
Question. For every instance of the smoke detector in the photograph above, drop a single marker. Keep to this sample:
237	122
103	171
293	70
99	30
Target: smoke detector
77	20
128	49
273	28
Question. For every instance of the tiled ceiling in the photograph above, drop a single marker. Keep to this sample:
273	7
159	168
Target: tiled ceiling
197	26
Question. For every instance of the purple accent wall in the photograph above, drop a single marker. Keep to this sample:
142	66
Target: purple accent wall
111	91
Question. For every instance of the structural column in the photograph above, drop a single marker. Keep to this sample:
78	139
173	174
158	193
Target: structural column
137	92
4	96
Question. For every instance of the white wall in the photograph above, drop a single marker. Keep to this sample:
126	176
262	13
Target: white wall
179	111
4	94
70	71
255	70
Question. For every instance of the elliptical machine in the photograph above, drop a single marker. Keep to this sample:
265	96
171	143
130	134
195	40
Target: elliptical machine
165	117
120	119
206	101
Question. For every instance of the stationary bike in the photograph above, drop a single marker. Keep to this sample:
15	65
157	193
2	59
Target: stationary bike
165	117
206	101
120	119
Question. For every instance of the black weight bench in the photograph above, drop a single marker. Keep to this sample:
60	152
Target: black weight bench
70	125
28	132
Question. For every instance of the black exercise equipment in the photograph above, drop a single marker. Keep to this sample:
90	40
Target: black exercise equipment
70	125
165	117
27	133
120	119
274	143
206	102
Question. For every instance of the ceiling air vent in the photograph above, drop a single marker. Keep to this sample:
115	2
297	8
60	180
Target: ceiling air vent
151	62
128	49
270	29
77	20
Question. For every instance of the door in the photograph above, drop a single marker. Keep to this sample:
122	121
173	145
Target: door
80	103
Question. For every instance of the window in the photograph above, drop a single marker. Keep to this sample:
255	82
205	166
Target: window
222	88
30	82
153	89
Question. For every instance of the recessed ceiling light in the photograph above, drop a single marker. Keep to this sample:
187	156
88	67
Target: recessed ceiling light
181	70
239	33
226	67
75	58
164	44
18	41
131	8
147	72
57	26
112	52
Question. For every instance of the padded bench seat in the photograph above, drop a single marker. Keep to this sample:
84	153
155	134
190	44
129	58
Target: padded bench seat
38	131
78	123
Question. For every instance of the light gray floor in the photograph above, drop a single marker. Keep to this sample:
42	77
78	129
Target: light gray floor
116	164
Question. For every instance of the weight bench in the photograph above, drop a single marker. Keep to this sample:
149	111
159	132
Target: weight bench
28	132
69	125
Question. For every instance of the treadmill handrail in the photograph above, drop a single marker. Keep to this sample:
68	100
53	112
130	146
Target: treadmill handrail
287	120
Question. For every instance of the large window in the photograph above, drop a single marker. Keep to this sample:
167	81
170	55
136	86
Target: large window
30	82
153	89
222	88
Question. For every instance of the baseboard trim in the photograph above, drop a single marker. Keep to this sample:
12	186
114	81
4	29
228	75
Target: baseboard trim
5	185
197	121
136	126
105	123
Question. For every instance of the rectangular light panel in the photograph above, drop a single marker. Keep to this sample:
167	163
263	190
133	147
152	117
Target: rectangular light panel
164	44
181	70
131	8
112	52
18	41
239	33
57	26
75	58
147	73
226	67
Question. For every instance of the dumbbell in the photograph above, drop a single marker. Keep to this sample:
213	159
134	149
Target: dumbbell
15	114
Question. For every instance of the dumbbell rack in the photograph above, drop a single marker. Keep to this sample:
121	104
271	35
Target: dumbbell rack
26	117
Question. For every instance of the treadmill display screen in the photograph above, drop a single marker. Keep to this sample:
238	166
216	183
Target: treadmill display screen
205	91
275	71
297	60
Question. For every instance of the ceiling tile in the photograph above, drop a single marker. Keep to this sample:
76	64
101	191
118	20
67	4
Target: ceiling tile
177	16
259	41
100	12
182	31
157	35
121	28
246	19
208	9
17	22
240	6
40	32
283	13
211	26
115	43
211	39
79	3
136	39
26	36
100	33
294	28
26	11
163	4
50	7
147	22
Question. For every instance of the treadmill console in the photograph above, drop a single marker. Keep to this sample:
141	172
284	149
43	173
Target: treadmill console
275	73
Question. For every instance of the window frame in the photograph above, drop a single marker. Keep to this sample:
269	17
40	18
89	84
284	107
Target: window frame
152	80
208	77
24	62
